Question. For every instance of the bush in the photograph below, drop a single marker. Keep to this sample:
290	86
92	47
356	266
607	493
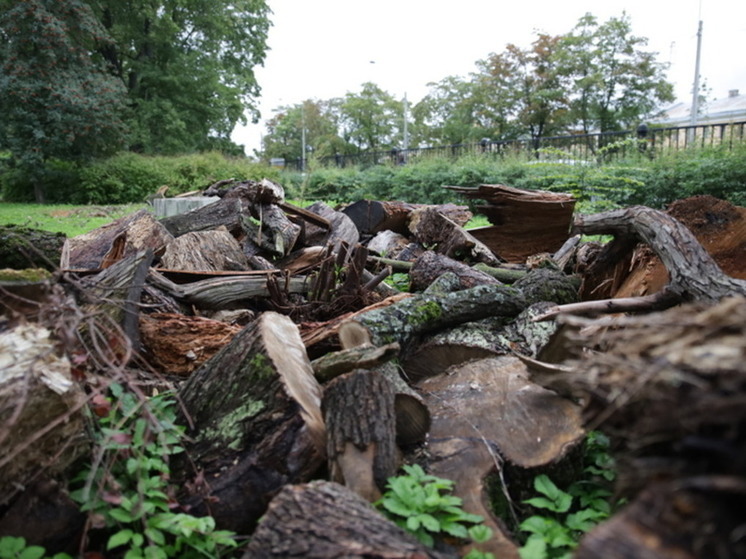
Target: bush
129	177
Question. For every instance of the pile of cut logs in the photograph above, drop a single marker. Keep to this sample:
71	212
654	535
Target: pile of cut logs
307	380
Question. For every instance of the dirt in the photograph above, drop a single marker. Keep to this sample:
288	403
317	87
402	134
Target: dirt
718	225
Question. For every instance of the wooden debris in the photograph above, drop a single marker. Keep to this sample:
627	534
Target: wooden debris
339	229
524	222
431	265
177	345
227	213
324	520
255	408
41	423
331	365
275	234
360	422
205	251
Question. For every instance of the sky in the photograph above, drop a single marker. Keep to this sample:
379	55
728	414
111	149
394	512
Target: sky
321	49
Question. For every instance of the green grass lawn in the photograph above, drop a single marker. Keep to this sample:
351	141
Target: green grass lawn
68	219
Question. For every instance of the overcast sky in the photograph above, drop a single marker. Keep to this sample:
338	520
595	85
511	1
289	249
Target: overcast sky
320	49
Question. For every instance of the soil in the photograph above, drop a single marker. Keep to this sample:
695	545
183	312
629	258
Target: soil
718	225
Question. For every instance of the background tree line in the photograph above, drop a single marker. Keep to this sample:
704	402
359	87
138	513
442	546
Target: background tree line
597	77
84	79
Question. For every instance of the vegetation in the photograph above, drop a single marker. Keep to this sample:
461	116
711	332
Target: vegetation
422	504
596	77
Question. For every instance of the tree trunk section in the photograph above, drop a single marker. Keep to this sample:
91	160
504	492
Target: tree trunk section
256	422
205	251
324	520
227	212
361	431
431	265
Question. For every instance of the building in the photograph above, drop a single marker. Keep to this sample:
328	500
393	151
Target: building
720	111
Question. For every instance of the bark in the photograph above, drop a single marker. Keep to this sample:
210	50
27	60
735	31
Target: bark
256	423
22	247
394	246
424	313
41	424
428	267
227	212
693	273
331	365
205	251
276	235
370	216
110	243
359	414
340	228
324	520
430	227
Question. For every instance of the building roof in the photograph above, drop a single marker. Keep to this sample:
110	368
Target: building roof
728	109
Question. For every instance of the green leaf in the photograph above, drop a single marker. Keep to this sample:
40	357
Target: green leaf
534	548
429	522
32	552
120	538
10	545
121	515
455	529
480	533
155	552
395	506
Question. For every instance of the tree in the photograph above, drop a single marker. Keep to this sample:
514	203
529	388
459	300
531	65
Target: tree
187	66
613	82
372	119
56	98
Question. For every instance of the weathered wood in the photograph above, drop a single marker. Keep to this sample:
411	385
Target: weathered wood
41	424
371	216
324	520
524	222
275	234
135	232
226	212
177	345
205	251
24	247
425	313
358	410
391	245
484	412
340	228
331	365
257	422
694	275
224	292
430	227
431	265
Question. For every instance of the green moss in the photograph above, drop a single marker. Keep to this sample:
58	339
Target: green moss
229	430
27	275
425	311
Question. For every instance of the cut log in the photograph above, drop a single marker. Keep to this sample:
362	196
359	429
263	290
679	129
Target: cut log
425	313
177	345
391	245
224	292
41	425
431	265
114	241
432	228
225	212
340	228
694	275
331	365
275	234
360	422
257	423
524	222
23	247
487	411
324	520
205	251
370	216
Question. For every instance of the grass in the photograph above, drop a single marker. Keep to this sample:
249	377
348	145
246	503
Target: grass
61	218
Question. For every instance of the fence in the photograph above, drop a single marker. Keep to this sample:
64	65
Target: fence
574	147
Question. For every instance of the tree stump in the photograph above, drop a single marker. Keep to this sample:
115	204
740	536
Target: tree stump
359	414
324	520
256	422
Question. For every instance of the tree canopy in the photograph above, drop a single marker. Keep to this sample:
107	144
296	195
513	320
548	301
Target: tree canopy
598	77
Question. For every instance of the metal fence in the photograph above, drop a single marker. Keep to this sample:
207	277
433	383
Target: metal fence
607	146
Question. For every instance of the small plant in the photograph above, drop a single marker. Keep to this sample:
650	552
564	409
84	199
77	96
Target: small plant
16	548
422	505
126	491
571	513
